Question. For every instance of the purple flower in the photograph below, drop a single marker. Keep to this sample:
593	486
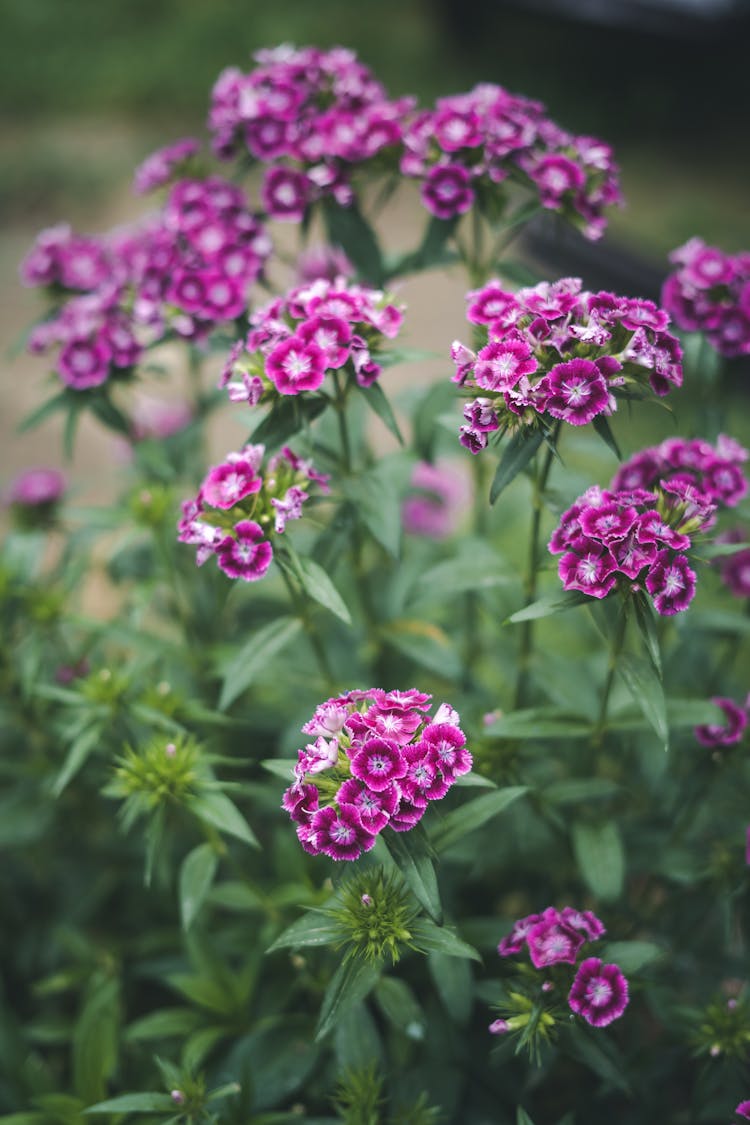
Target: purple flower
36	488
585	921
378	762
285	194
743	1109
551	941
599	992
501	364
589	568
247	554
671	583
84	363
442	496
340	834
447	191
723	734
328	262
577	392
375	808
516	939
295	365
228	484
448	743
158	168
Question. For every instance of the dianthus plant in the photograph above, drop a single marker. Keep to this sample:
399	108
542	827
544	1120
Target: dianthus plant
319	926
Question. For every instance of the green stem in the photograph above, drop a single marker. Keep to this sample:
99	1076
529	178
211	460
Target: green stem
339	403
614	655
526	646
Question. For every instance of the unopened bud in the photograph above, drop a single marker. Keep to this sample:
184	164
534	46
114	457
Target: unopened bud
499	1027
715	1051
547	986
366	900
170	749
177	1097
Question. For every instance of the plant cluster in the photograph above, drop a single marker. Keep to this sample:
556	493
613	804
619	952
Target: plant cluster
197	959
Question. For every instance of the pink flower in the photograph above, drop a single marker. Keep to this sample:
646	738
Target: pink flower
341	835
285	193
501	364
577	392
671	583
229	483
378	762
247	554
743	1109
723	734
447	191
36	488
436	510
599	992
551	941
295	365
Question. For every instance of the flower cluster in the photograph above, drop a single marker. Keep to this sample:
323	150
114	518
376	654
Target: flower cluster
729	732
183	272
36	488
713	471
375	762
633	538
241	504
735	568
469	143
160	167
709	292
295	340
554	351
599	992
313	116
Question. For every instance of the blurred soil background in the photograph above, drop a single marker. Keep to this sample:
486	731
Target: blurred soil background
89	88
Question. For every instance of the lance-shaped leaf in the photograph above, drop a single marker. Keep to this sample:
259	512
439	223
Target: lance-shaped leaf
517	454
313	928
255	655
376	399
413	856
135	1103
353	980
348	228
196	876
600	857
556	602
217	809
287	417
472	815
647	692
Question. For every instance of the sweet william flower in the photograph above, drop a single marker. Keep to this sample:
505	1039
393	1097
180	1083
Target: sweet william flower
727	733
599	992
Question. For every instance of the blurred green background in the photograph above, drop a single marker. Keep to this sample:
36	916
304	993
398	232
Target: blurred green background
88	87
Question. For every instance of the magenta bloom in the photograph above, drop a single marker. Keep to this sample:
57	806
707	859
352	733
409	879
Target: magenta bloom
229	483
709	292
577	391
36	488
447	191
378	762
247	555
84	363
295	365
285	194
723	734
379	770
589	568
743	1109
158	168
442	493
516	939
501	364
671	583
551	941
341	834
599	992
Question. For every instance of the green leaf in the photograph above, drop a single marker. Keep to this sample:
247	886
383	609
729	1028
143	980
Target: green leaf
579	789
539	722
287	417
604	430
134	1103
632	955
400	1007
413	855
76	757
436	401
472	815
475	780
377	503
51	406
255	655
556	602
454	982
719	621
601	861
353	980
164	1024
196	876
348	228
519	451
467	573
312	928
645	618
431	250
441	939
95	1040
424	643
680	713
217	809
376	399
646	691
318	586
69	431
280	767
600	1055
522	1117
